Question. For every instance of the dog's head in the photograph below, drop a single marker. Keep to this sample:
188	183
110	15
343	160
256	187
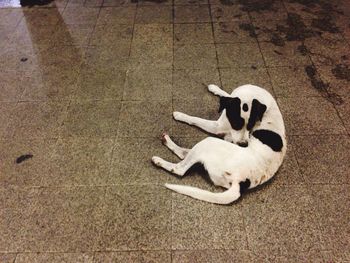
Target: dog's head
243	113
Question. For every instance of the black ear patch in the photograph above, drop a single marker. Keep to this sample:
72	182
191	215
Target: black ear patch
233	111
256	113
270	138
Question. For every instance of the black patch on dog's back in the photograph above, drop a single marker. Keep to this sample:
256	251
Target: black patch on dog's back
243	186
256	113
270	138
233	111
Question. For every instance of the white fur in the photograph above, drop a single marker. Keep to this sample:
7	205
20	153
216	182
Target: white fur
229	164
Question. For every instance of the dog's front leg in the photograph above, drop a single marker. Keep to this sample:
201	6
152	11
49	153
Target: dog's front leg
213	127
217	91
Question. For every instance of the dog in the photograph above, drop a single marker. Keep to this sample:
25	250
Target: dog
229	165
241	111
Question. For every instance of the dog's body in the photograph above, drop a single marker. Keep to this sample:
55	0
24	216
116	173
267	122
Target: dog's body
229	165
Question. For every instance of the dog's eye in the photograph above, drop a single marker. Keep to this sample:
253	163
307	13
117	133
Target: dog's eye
245	107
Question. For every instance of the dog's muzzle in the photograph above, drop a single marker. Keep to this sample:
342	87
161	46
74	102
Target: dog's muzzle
243	144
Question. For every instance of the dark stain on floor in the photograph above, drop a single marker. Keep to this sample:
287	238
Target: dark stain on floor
256	5
341	71
227	2
303	49
23	158
31	3
151	1
249	28
277	40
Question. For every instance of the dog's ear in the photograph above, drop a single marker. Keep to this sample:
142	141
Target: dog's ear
256	113
233	111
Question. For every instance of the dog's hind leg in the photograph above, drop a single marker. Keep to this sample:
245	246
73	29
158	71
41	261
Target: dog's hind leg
179	151
217	91
179	168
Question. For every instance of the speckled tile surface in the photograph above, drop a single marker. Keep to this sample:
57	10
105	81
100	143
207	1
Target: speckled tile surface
88	86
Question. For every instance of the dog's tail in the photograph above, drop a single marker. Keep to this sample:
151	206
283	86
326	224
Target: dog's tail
223	198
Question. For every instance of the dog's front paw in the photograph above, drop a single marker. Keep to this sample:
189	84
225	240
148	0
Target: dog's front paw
213	88
164	137
179	116
157	160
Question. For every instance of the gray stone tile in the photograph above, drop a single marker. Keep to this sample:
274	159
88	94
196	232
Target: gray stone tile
302	116
200	225
226	13
242	54
82	15
10	16
107	58
79	161
6	108
193	33
323	159
16	58
111	35
211	255
195	56
332	201
42	16
13	84
95	83
72	34
66	220
117	15
154	14
133	257
36	120
206	108
137	217
32	171
233	32
237	76
191	14
193	83
292	82
281	220
327	52
283	55
92	119
338	78
144	55
343	110
148	84
8	257
55	257
157	34
144	118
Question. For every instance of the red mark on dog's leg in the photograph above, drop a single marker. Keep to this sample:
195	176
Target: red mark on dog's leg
163	137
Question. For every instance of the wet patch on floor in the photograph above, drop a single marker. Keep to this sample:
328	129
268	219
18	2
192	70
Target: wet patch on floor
150	1
227	2
341	71
31	3
249	28
256	5
23	158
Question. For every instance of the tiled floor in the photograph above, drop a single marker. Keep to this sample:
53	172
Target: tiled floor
87	87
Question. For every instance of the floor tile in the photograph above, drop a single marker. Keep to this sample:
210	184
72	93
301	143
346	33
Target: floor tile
117	15
155	3
233	32
6	109
154	14
343	110
42	16
243	54
199	225
148	84
112	35
292	82
144	55
10	16
119	3
193	33
83	15
18	58
283	56
93	156
95	83
13	84
153	33
191	2
191	14
226	13
299	123
193	83
211	255
134	216
55	257
92	119
273	9
237	76
72	34
7	257
323	158
265	212
32	170
202	108
36	120
135	114
133	257
195	56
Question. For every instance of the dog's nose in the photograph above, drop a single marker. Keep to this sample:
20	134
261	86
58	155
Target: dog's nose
243	144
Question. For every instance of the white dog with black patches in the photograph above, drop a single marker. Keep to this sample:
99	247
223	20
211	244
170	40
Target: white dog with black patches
250	117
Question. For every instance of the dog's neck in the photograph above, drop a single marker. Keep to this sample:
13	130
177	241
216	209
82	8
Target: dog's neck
273	120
